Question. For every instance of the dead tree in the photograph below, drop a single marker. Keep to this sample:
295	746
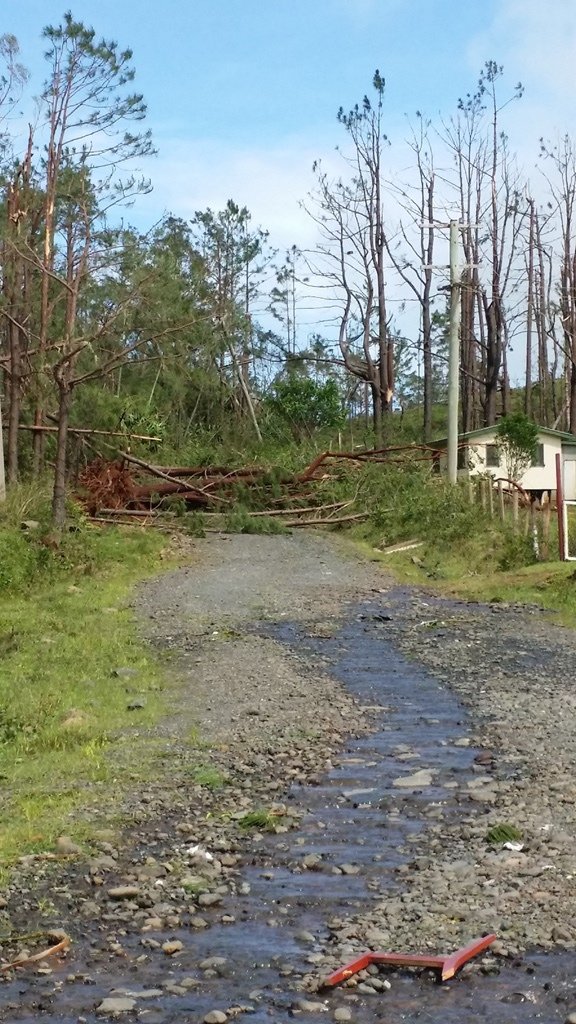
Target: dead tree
350	260
413	254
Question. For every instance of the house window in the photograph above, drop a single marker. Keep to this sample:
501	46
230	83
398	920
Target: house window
492	456
538	459
463	458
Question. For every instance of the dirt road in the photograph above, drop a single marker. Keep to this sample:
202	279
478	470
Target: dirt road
353	744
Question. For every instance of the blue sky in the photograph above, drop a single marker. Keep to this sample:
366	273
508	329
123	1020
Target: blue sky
243	94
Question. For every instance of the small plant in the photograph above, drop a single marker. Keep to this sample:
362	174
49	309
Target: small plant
195	524
261	819
194	886
209	776
504	833
240	521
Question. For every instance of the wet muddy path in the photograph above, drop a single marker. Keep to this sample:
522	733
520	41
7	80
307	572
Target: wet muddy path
359	834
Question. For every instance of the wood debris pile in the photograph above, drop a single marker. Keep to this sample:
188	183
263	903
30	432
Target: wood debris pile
130	489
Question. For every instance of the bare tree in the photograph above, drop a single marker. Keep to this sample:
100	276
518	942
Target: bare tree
488	193
562	184
351	258
413	257
464	140
12	79
234	258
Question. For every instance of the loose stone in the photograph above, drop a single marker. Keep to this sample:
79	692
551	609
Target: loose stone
115	1005
171	948
123	892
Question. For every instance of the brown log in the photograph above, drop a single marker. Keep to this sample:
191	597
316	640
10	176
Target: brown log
308	473
367	456
137	512
150	521
299	511
213	471
184	485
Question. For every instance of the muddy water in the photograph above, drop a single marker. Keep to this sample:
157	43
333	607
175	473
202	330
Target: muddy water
355	817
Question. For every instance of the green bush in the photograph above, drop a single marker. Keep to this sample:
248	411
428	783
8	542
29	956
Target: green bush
408	503
516	551
305	404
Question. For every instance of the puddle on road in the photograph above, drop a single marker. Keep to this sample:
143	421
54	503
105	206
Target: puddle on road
354	817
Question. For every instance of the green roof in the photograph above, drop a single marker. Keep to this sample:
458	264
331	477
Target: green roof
562	434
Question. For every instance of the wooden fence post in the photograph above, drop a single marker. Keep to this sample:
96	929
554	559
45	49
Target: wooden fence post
534	530
515	507
546	509
501	501
490	484
560	508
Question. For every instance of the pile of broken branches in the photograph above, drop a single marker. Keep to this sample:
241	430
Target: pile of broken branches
128	489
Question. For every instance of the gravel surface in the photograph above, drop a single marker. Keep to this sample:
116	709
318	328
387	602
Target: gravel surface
267	713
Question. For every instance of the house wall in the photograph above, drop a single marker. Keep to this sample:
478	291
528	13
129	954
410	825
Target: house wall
535	478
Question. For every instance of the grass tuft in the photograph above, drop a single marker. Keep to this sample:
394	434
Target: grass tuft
261	819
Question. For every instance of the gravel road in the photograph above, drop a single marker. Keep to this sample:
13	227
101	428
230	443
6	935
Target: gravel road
269	714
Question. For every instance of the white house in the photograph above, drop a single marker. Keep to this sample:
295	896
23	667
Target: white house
478	453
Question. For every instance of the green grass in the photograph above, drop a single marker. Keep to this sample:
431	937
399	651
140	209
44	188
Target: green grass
462	550
469	571
64	631
262	820
503	833
209	776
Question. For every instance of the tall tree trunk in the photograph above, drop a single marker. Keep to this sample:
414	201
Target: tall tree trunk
377	417
547	388
529	317
506	392
467	354
59	492
15	402
493	358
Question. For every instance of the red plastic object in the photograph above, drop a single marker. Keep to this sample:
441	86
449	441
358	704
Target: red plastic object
447	965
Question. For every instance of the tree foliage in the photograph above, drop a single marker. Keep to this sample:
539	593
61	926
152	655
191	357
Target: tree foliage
306	405
517	438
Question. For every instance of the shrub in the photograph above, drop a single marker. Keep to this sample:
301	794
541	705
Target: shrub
516	551
410	503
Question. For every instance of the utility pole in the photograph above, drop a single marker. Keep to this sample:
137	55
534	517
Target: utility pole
453	354
455	227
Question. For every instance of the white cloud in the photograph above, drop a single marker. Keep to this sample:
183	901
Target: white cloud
536	42
191	175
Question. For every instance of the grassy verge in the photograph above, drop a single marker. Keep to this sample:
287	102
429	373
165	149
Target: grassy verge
462	550
76	682
549	585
